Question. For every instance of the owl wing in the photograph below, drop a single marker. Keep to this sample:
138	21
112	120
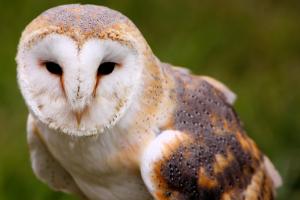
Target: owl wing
45	167
175	168
204	153
229	95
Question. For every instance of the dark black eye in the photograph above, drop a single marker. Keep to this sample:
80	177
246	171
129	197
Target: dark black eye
53	68
106	68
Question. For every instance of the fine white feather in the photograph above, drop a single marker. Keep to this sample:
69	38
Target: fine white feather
272	172
55	106
155	152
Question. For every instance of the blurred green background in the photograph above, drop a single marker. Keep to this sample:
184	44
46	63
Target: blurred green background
253	46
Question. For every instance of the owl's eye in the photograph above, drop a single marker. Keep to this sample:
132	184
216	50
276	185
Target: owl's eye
106	68
53	68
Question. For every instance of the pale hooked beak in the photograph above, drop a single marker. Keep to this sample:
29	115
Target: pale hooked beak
79	94
78	116
80	107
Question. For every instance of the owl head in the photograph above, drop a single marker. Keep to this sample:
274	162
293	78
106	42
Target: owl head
80	67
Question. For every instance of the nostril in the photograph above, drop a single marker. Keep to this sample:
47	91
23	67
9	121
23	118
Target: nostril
53	68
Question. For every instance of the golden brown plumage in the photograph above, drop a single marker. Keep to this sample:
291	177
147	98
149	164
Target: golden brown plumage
144	130
215	159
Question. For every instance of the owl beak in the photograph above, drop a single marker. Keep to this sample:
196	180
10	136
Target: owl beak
79	93
78	116
79	106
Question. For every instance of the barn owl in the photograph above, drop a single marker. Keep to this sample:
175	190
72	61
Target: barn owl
109	121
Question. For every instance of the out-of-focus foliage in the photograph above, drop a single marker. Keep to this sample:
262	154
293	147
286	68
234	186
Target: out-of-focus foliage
253	46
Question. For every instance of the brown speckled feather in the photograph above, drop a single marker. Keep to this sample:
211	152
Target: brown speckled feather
158	131
82	22
220	161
